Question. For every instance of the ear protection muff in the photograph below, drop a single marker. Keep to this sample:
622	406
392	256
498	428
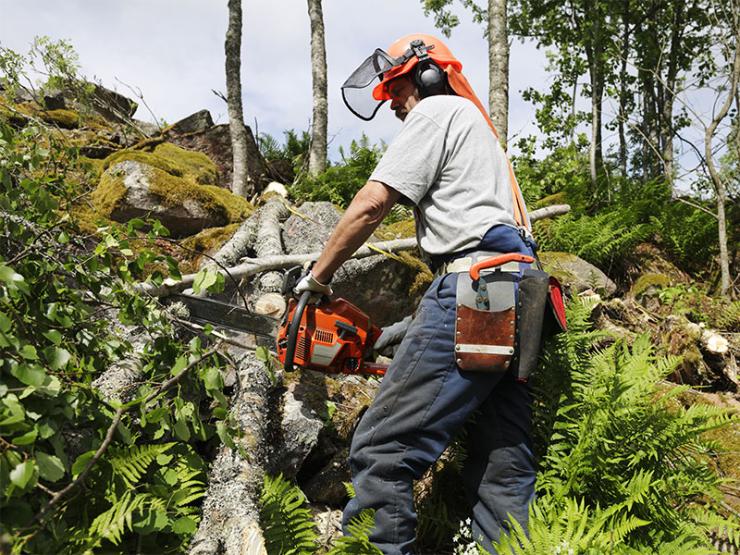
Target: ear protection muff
429	78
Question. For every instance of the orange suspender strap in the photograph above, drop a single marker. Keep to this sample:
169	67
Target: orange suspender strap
462	87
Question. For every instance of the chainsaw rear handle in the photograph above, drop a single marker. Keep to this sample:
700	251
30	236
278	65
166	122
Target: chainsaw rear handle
293	328
498	261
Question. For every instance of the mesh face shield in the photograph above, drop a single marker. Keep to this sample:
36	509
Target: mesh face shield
357	90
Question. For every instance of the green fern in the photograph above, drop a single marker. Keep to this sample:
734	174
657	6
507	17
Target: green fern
130	463
288	526
112	523
358	540
612	437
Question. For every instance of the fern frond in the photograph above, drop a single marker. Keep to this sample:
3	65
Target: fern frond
358	540
130	463
288	526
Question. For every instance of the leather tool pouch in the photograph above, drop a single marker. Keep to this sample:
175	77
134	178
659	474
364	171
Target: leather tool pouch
485	328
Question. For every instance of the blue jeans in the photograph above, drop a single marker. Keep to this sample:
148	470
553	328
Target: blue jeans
423	402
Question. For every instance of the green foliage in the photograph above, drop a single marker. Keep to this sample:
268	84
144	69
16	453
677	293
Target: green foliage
358	541
63	303
626	468
340	182
599	239
293	152
288	526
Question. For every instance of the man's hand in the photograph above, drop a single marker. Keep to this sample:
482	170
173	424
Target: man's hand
309	283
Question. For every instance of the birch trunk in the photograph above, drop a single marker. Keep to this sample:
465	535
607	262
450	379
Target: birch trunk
317	152
269	300
230	524
717	179
498	68
240	184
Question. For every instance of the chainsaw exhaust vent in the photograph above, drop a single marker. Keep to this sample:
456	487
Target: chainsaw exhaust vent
323	336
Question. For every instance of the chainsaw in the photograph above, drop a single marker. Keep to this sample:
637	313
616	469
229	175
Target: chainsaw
331	336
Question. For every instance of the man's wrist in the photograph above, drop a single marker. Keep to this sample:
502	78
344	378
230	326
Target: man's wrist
319	282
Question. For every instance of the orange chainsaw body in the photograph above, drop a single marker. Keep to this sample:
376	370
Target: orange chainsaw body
331	337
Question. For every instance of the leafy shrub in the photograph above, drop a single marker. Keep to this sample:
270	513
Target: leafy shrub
79	472
340	182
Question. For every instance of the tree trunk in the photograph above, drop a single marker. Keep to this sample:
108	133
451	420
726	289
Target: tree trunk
267	293
623	87
669	91
230	524
317	152
595	157
498	68
717	179
240	180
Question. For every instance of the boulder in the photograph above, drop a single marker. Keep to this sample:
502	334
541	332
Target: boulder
132	188
112	105
576	274
215	142
301	425
194	123
386	288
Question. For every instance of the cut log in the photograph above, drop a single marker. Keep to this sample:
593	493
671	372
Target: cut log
254	266
230	523
268	299
236	247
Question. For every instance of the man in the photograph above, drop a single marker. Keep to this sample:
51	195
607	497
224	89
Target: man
447	163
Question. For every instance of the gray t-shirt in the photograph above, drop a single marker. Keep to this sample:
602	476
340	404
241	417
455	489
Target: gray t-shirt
448	163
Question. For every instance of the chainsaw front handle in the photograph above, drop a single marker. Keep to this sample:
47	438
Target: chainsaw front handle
498	261
293	328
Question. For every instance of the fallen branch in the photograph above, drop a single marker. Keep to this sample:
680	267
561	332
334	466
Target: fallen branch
256	265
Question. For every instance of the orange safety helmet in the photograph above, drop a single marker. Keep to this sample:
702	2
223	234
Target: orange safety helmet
421	53
402	49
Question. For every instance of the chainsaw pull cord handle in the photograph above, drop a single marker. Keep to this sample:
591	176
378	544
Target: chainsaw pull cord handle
498	261
293	327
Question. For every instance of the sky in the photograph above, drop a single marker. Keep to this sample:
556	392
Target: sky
172	52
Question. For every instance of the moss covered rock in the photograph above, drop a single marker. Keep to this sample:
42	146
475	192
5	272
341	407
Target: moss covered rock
649	284
67	119
135	189
576	274
176	161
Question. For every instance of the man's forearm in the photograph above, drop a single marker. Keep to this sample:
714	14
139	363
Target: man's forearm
371	204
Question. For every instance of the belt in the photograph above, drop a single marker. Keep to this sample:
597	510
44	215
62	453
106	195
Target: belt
464	263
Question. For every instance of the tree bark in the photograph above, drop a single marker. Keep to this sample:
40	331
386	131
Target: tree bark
623	87
498	68
230	524
268	299
240	184
317	151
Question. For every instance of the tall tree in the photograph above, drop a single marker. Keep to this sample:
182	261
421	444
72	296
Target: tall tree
496	32
498	67
729	18
579	30
240	184
317	152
